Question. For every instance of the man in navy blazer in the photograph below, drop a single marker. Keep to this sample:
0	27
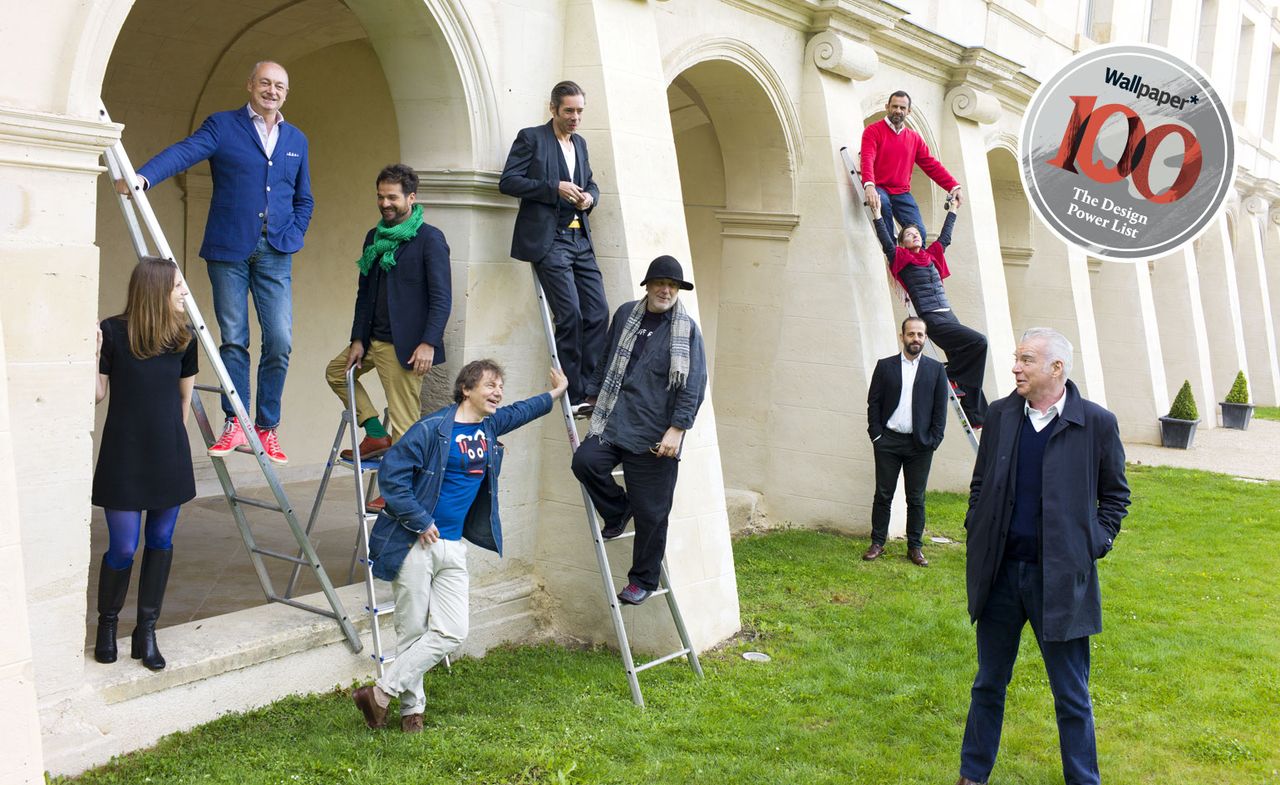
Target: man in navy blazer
259	212
906	416
1045	503
402	306
549	170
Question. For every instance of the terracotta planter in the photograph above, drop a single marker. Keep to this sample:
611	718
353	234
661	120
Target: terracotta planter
1236	415
1178	434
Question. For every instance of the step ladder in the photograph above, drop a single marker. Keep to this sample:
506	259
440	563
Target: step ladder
366	478
598	542
138	215
856	176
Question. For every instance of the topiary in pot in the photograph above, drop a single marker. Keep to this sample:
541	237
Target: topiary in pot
1236	410
1178	429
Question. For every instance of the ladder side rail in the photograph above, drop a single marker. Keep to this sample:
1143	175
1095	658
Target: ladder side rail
665	582
136	237
593	524
855	175
315	507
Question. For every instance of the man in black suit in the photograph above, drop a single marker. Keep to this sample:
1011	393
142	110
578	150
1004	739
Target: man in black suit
548	169
403	297
1045	503
906	415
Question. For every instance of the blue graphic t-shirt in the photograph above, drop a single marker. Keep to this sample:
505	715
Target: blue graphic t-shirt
463	473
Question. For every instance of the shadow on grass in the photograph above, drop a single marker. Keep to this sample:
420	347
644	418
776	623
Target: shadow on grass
871	665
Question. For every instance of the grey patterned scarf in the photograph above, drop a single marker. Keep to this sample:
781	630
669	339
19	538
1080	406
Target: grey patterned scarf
681	329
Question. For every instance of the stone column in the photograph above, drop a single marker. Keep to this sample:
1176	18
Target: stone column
611	49
1215	264
1184	335
1256	315
977	286
1271	250
1130	348
48	172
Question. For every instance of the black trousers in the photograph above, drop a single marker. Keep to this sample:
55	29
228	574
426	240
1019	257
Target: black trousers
575	293
966	350
651	486
898	452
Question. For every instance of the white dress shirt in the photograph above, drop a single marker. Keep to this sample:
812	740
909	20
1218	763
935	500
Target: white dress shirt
1040	420
268	138
900	421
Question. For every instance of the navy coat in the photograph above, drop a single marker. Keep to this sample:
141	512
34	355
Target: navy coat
419	295
1085	497
928	400
532	173
246	184
412	474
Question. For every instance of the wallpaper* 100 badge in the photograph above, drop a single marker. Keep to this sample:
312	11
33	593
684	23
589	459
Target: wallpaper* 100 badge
1127	152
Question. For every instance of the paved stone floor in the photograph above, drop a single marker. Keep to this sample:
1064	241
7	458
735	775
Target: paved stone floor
1254	453
212	573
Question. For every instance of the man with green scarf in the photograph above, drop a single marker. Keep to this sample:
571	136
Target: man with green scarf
403	298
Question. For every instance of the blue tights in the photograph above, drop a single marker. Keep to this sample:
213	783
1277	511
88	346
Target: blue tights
123	527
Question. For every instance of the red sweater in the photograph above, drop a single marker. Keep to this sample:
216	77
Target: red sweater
887	158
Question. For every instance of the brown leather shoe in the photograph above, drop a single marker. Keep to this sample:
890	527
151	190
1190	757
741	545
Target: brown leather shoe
873	552
375	716
967	781
411	723
917	557
369	448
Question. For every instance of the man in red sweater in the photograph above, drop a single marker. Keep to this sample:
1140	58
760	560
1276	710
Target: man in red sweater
889	150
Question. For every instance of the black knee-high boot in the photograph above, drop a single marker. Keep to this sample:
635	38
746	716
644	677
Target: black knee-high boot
151	585
113	586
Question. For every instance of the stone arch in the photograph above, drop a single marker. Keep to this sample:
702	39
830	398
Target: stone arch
736	139
372	83
922	187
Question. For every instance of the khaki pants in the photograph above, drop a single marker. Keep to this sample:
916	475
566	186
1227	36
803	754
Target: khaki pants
431	617
402	386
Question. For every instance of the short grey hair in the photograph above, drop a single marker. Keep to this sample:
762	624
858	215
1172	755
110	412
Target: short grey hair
1057	347
254	71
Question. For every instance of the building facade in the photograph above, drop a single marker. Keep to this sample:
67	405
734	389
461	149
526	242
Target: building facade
714	128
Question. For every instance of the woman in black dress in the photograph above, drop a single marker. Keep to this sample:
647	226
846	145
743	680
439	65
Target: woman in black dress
147	357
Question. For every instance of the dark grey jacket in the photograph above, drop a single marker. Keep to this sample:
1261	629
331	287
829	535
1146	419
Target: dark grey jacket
645	407
1085	496
923	284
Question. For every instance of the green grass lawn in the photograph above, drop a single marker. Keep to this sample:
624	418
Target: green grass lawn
869	680
1267	412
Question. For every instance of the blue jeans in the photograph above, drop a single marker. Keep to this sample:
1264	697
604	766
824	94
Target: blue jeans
903	209
267	274
1017	596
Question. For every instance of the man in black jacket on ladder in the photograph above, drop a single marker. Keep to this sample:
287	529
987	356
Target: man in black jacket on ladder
549	170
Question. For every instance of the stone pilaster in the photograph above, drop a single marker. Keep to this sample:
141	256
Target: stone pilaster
1184	335
1220	296
612	50
1257	319
1130	349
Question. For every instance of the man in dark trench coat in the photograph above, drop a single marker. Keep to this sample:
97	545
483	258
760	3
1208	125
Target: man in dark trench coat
1046	501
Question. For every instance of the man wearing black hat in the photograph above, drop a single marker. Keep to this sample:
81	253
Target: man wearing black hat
648	388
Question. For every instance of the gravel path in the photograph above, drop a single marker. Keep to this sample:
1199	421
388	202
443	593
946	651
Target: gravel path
1253	453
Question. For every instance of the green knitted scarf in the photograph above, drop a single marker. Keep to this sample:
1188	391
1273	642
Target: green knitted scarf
388	239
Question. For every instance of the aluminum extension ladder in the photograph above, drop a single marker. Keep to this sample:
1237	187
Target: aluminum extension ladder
366	476
856	176
137	216
598	541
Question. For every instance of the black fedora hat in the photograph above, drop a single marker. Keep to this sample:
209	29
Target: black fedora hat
666	267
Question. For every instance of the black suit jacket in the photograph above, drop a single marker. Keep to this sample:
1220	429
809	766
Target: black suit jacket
1084	498
532	173
419	295
928	400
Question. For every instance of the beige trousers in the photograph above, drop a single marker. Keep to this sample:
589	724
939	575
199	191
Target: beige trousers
402	386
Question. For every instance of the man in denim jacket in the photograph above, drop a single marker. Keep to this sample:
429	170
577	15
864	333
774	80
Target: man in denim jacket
440	482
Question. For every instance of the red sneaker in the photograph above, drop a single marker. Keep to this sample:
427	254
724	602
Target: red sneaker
271	445
377	505
231	438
